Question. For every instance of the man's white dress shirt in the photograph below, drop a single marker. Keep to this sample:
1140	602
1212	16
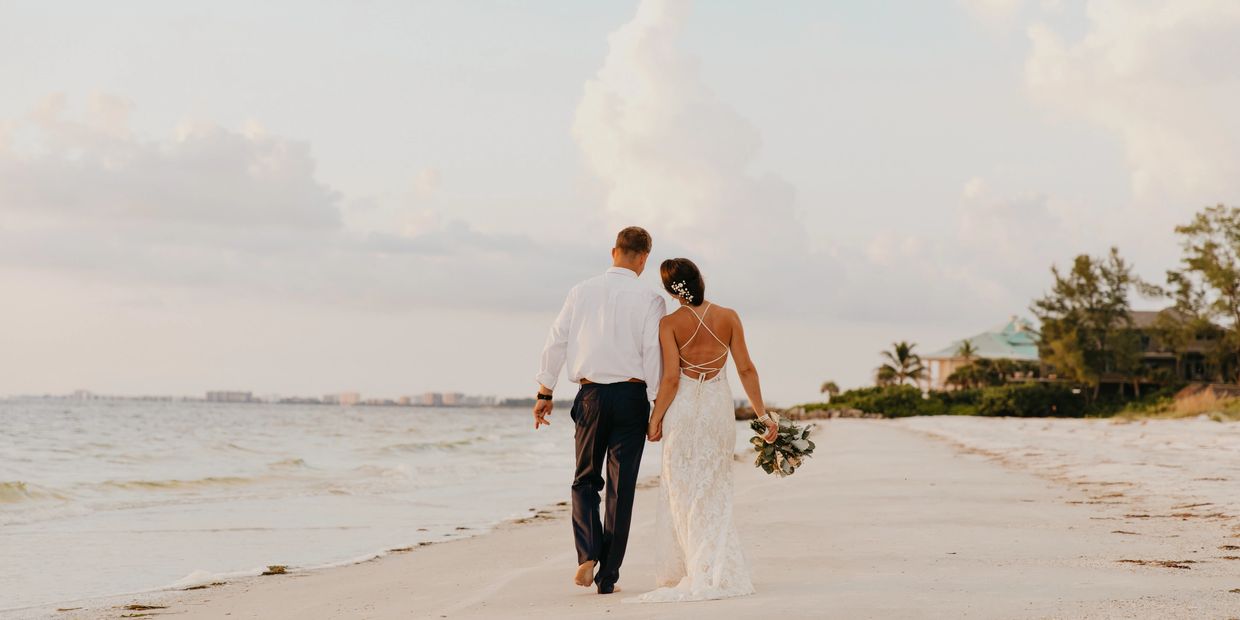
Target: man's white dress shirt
608	332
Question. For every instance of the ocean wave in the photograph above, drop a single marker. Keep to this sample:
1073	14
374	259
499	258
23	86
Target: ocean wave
157	485
287	464
399	471
233	446
422	446
16	491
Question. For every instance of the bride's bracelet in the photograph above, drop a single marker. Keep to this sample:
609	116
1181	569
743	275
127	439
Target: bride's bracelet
764	418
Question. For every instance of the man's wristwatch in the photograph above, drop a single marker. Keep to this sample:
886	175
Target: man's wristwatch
542	396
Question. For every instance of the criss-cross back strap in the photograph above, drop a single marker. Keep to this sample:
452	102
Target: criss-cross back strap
706	367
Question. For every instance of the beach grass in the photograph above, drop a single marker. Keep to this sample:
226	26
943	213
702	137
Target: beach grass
1206	403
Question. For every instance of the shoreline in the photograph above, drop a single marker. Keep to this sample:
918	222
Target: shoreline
158	596
147	496
885	521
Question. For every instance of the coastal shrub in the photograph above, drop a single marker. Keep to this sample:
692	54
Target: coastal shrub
898	401
893	401
1016	399
1156	401
1029	400
959	402
1162	403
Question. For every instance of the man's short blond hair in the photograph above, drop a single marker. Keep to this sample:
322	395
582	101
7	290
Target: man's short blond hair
634	240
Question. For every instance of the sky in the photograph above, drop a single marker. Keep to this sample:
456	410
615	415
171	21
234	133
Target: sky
394	197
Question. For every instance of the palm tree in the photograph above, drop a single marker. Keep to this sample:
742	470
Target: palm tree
965	376
884	376
902	364
966	351
830	389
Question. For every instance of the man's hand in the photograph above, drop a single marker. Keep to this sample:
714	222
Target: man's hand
654	431
542	409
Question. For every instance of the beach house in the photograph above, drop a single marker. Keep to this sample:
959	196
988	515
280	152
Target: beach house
1166	359
1016	340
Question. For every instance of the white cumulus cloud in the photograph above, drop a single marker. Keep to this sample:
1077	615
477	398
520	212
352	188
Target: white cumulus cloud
676	159
1164	75
238	211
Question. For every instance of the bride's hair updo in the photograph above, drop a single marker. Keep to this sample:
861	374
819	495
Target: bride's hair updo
682	280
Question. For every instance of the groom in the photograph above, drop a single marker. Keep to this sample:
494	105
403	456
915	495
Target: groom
608	332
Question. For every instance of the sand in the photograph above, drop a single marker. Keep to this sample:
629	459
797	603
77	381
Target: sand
887	521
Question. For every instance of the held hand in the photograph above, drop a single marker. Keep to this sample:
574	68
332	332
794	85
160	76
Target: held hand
654	431
772	431
542	409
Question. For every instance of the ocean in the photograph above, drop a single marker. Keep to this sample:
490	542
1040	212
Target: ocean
99	498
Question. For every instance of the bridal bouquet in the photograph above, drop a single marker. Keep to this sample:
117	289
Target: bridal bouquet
784	456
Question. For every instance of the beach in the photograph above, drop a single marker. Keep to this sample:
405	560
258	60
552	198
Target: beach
891	519
216	491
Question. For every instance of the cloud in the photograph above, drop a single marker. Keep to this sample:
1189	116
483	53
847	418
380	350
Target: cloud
240	211
1009	229
676	159
206	175
992	258
426	183
998	14
1161	75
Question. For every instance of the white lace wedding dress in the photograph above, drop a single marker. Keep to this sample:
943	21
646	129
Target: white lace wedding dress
698	553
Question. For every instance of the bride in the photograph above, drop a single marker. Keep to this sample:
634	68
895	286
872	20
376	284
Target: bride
698	551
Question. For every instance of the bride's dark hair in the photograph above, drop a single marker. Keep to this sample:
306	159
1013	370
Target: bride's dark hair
682	280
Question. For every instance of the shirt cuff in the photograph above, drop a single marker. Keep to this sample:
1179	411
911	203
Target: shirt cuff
651	393
546	379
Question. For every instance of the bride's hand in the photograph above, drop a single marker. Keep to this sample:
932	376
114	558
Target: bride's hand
772	431
654	431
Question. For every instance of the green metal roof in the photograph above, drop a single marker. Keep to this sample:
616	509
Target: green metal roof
1015	340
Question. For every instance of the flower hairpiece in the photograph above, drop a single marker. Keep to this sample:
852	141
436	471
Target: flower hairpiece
682	291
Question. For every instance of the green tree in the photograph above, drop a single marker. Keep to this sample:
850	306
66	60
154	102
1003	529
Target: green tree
830	388
884	376
1086	320
1011	370
1206	288
963	378
1188	324
903	364
966	351
983	372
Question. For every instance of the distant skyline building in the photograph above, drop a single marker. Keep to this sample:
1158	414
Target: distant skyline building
426	399
226	396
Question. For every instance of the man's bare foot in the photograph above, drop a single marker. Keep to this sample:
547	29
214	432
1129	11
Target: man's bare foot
585	574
